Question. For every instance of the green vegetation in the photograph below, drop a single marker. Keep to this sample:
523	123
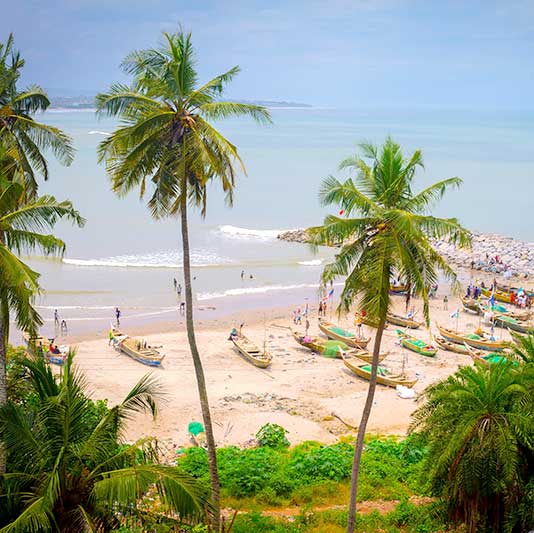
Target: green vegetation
68	467
384	230
167	138
311	472
480	428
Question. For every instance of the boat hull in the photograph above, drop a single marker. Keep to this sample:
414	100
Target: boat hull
363	371
355	342
404	322
251	353
481	344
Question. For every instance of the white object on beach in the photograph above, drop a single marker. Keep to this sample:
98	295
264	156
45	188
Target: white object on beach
405	393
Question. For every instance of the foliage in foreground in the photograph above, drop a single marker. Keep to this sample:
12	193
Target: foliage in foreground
479	424
67	467
310	471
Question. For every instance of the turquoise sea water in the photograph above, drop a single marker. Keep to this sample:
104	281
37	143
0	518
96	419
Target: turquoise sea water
122	257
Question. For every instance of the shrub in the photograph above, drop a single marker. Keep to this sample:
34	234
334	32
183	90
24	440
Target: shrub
272	435
328	462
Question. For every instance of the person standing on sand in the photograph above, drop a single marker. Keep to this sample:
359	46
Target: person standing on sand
175	283
64	329
242	274
182	308
56	318
118	316
179	289
445	303
358	324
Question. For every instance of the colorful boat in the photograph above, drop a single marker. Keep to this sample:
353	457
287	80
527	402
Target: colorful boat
503	310
472	339
502	296
471	305
398	289
251	352
135	348
508	322
405	322
333	349
40	346
416	345
334	332
384	375
486	358
451	346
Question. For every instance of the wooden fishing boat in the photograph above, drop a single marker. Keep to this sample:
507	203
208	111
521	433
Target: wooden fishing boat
486	358
384	376
136	348
40	346
500	295
398	289
451	346
334	332
503	310
405	322
334	349
471	305
508	322
416	345
251	352
472	339
370	322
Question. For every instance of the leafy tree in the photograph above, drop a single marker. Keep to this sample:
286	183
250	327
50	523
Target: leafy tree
166	136
383	230
480	431
68	469
23	138
22	224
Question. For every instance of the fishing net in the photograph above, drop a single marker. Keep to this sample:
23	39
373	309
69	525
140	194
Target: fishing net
342	332
333	348
381	371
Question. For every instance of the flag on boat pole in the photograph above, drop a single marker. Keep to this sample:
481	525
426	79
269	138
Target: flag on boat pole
331	293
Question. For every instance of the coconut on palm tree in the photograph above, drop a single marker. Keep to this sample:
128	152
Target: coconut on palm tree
167	143
384	229
25	139
70	470
480	432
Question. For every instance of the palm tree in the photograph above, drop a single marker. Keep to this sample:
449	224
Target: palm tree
167	136
383	229
22	224
24	139
478	423
69	468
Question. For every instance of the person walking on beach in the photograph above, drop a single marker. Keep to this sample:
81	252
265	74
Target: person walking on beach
320	311
64	329
242	274
179	289
118	316
358	323
182	308
175	283
445	303
56	318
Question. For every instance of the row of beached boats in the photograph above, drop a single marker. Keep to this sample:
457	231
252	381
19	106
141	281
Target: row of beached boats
518	320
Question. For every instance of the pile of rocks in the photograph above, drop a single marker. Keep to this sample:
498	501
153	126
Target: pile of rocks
514	256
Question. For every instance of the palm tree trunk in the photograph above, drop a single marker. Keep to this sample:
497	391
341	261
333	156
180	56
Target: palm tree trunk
199	372
3	378
362	427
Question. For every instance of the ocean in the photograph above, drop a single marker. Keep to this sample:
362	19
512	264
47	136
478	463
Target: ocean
124	258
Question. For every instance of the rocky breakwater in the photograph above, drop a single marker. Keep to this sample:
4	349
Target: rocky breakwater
489	253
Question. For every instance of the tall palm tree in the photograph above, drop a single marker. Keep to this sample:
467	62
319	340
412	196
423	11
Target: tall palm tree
24	138
480	433
69	468
22	227
167	136
383	229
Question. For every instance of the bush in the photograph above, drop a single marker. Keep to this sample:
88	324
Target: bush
272	435
328	462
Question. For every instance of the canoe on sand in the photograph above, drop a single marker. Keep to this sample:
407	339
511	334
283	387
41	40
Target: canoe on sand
251	352
136	349
334	332
451	346
472	339
508	322
416	345
384	376
486	358
334	349
40	345
405	322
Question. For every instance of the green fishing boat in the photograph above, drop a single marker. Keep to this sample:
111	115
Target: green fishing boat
509	322
416	345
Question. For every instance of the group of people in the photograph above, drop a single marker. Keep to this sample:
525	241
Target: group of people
323	305
243	275
61	325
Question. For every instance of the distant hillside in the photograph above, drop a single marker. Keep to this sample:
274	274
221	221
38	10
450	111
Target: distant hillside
87	101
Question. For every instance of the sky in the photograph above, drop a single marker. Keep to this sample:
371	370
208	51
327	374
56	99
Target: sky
338	53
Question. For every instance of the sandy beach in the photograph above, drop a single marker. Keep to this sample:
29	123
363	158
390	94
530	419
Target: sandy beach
302	391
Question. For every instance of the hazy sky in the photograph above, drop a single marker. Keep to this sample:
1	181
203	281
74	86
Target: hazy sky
439	53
